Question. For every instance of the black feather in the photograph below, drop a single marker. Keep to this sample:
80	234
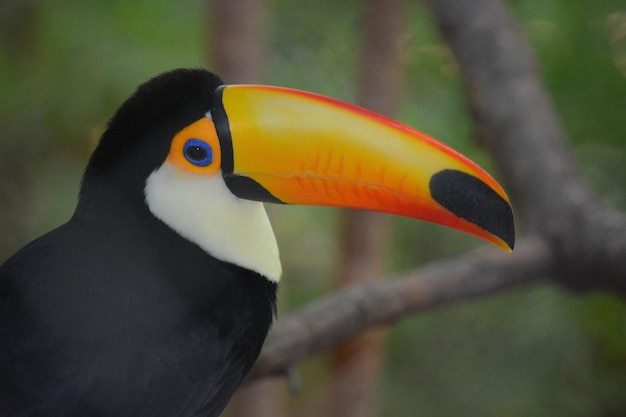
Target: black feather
115	314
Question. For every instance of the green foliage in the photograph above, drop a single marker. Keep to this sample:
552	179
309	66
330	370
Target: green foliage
65	66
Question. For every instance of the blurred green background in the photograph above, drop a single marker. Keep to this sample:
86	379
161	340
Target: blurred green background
65	66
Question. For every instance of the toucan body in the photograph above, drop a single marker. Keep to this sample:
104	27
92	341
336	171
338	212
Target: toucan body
155	298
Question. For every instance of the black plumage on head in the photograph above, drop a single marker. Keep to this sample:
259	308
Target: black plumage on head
138	136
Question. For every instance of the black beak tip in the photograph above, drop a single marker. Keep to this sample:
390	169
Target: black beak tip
470	198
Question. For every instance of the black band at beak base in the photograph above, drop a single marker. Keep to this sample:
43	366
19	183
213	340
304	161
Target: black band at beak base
239	185
222	128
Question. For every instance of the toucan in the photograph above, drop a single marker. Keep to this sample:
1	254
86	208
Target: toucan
155	298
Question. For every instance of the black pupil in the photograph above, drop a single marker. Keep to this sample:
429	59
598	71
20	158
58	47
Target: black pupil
196	153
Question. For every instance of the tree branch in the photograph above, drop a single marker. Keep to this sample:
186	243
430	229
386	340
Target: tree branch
519	125
333	319
577	241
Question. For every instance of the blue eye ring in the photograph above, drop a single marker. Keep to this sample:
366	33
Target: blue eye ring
198	152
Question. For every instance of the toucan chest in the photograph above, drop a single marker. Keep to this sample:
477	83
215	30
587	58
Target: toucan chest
132	308
138	277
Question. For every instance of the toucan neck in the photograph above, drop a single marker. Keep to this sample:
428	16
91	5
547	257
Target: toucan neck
203	210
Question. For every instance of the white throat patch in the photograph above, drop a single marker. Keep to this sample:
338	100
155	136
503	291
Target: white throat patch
203	210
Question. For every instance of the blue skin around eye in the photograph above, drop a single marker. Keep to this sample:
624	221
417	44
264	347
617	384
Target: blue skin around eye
194	145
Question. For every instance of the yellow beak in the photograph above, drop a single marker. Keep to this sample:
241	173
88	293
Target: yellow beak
287	146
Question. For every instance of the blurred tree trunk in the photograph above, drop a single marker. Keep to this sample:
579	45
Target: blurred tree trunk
19	21
356	364
258	398
237	49
237	33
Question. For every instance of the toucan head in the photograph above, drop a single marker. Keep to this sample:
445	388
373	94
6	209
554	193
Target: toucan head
204	156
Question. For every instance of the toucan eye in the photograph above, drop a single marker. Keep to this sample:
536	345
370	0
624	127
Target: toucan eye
198	152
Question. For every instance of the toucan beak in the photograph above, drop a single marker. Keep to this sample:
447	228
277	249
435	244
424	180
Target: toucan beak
287	146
